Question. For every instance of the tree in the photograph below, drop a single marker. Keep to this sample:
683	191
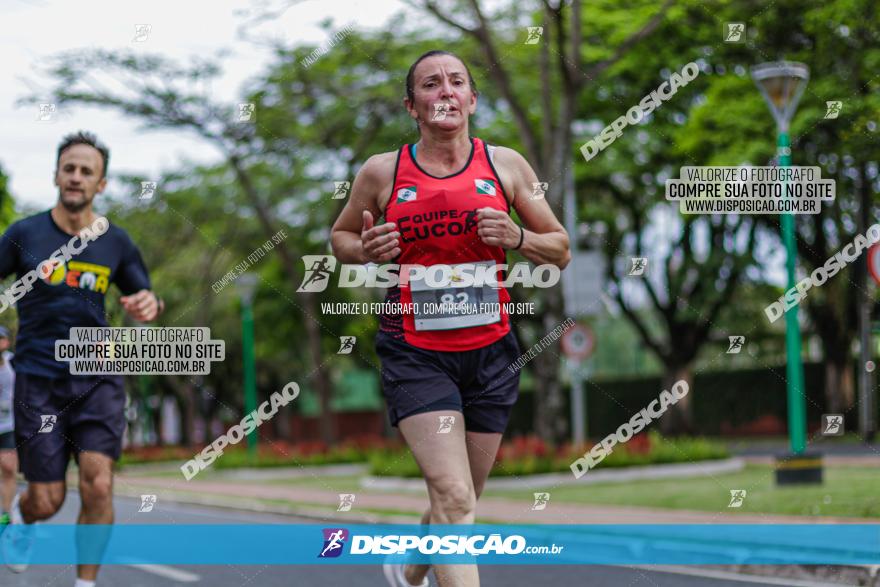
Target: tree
543	120
165	95
837	40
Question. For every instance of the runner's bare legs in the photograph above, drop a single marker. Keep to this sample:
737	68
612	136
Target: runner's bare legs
96	492
8	469
481	448
454	482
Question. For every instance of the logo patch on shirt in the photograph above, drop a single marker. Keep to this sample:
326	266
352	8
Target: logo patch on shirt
407	194
80	275
485	187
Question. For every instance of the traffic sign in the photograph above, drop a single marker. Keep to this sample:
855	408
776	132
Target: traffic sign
874	261
578	342
583	283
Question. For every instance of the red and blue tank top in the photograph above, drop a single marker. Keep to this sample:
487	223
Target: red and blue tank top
437	221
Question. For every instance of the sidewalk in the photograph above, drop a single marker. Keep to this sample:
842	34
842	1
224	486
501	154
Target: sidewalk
322	503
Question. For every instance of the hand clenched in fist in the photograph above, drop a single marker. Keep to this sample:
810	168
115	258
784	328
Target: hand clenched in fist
497	228
379	242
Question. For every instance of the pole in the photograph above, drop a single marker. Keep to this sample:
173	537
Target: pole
864	302
578	408
866	404
797	422
250	378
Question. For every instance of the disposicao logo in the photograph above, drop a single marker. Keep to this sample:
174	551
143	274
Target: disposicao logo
334	542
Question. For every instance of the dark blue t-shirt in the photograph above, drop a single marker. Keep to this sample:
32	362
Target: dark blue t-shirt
73	296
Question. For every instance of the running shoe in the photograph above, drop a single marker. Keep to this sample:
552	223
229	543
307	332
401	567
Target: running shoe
395	577
17	541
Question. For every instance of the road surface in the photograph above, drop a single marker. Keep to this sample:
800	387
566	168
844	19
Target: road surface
337	576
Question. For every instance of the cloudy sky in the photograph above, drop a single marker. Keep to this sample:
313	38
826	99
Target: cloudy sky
32	30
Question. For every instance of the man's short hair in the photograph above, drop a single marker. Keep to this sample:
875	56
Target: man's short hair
84	138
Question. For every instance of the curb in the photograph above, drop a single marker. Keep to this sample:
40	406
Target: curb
264	473
670	471
258	506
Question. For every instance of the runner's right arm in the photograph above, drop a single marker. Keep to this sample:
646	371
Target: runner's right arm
8	252
354	237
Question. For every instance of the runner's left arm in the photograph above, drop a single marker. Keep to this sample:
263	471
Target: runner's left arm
133	281
543	239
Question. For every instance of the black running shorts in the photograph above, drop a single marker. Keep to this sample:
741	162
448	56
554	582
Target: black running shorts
59	417
482	383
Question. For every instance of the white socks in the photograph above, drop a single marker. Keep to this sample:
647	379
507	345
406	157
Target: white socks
84	583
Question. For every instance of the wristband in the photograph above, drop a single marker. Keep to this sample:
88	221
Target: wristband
522	236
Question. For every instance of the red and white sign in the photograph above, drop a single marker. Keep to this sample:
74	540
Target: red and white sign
578	342
874	261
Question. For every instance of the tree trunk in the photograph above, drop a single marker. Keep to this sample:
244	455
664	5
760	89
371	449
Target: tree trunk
834	324
157	420
310	303
679	418
839	385
187	401
551	423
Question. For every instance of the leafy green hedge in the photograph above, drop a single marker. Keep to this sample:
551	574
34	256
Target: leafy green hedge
276	453
524	455
662	450
239	458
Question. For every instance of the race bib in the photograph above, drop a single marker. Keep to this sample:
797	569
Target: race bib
452	306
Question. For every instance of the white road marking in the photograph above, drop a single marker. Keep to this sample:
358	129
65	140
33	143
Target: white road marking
167	572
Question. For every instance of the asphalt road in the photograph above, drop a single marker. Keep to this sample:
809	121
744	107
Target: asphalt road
338	576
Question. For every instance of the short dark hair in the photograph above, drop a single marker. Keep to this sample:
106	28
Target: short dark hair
412	69
84	138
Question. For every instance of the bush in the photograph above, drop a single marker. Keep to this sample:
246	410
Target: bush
270	453
313	453
155	454
522	455
529	456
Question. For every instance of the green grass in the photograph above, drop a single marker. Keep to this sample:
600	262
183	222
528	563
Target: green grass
847	491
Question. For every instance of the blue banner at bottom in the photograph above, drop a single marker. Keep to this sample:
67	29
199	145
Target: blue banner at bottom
309	544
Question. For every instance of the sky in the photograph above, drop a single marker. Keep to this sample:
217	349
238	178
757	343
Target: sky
33	30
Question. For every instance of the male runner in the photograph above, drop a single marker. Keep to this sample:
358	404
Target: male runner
8	460
58	414
447	200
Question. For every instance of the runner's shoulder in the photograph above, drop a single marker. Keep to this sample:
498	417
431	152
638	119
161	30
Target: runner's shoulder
29	222
115	238
379	168
510	160
513	170
375	180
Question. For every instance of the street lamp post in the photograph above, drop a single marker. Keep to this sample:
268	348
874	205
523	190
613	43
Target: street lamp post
246	285
782	83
